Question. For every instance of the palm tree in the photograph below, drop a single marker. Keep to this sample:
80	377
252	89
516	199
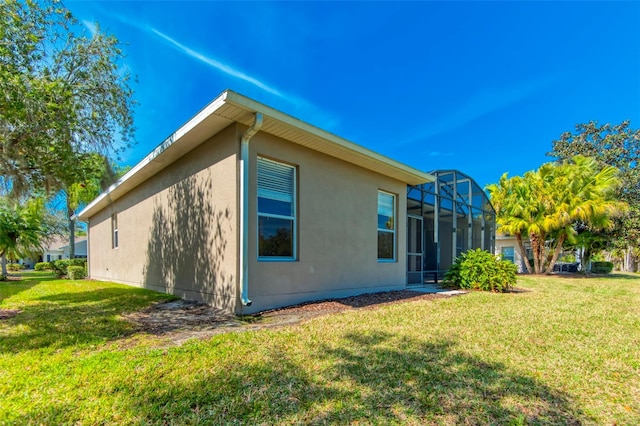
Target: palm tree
510	198
545	204
583	192
23	227
93	175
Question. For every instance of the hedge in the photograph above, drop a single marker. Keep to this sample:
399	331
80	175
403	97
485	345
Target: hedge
601	267
60	267
42	266
76	272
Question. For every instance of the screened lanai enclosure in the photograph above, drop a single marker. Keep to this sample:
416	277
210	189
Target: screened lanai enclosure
445	218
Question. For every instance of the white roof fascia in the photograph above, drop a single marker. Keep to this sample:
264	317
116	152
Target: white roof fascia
159	157
271	113
162	147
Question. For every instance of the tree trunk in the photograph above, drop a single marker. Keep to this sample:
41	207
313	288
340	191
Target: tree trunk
556	253
585	258
629	264
72	231
587	261
537	258
4	265
523	253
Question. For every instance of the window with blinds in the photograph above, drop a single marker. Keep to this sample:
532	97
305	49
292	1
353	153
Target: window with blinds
386	226
276	210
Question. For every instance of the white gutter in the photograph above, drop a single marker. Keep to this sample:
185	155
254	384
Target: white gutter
244	203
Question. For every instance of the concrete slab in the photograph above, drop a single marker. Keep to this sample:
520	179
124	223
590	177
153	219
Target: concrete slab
436	289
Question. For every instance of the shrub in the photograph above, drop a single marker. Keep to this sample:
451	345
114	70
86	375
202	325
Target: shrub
480	270
76	272
61	267
601	267
42	266
14	267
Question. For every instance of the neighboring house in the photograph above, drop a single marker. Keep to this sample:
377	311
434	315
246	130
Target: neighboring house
56	249
80	248
507	249
247	209
53	250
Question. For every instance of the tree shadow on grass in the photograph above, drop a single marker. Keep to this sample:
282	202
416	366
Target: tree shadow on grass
8	289
438	383
21	282
373	379
75	319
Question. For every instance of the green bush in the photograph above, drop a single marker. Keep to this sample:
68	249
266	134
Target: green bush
42	266
14	267
601	267
480	270
61	267
76	272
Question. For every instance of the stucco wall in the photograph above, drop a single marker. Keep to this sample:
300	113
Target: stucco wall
509	241
337	231
177	231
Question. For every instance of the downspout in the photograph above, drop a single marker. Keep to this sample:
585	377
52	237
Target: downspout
244	205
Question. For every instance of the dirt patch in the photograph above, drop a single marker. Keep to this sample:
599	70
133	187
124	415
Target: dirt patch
182	320
8	313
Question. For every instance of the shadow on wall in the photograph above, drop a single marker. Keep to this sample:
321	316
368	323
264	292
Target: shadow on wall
187	244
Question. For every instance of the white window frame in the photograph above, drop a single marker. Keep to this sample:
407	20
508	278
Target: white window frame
391	231
114	231
293	218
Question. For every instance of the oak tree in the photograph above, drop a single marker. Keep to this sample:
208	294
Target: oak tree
616	146
63	93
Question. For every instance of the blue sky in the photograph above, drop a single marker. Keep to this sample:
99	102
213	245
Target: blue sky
482	87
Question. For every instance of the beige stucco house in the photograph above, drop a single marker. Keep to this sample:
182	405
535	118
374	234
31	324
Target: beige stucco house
506	246
247	208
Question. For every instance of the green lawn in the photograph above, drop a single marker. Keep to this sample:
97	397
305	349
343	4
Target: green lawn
565	352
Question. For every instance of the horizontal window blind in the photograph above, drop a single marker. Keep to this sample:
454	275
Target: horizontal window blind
275	180
385	204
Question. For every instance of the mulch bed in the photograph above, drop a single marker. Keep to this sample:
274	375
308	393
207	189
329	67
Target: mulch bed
355	302
181	320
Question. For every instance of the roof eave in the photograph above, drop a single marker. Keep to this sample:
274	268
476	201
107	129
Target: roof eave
217	115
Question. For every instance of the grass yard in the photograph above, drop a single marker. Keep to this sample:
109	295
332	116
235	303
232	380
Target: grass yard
565	352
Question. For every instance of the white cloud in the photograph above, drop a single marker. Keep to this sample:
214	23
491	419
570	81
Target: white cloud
479	104
91	26
440	154
296	105
309	110
216	63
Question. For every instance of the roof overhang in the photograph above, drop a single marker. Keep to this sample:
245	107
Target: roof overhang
232	107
